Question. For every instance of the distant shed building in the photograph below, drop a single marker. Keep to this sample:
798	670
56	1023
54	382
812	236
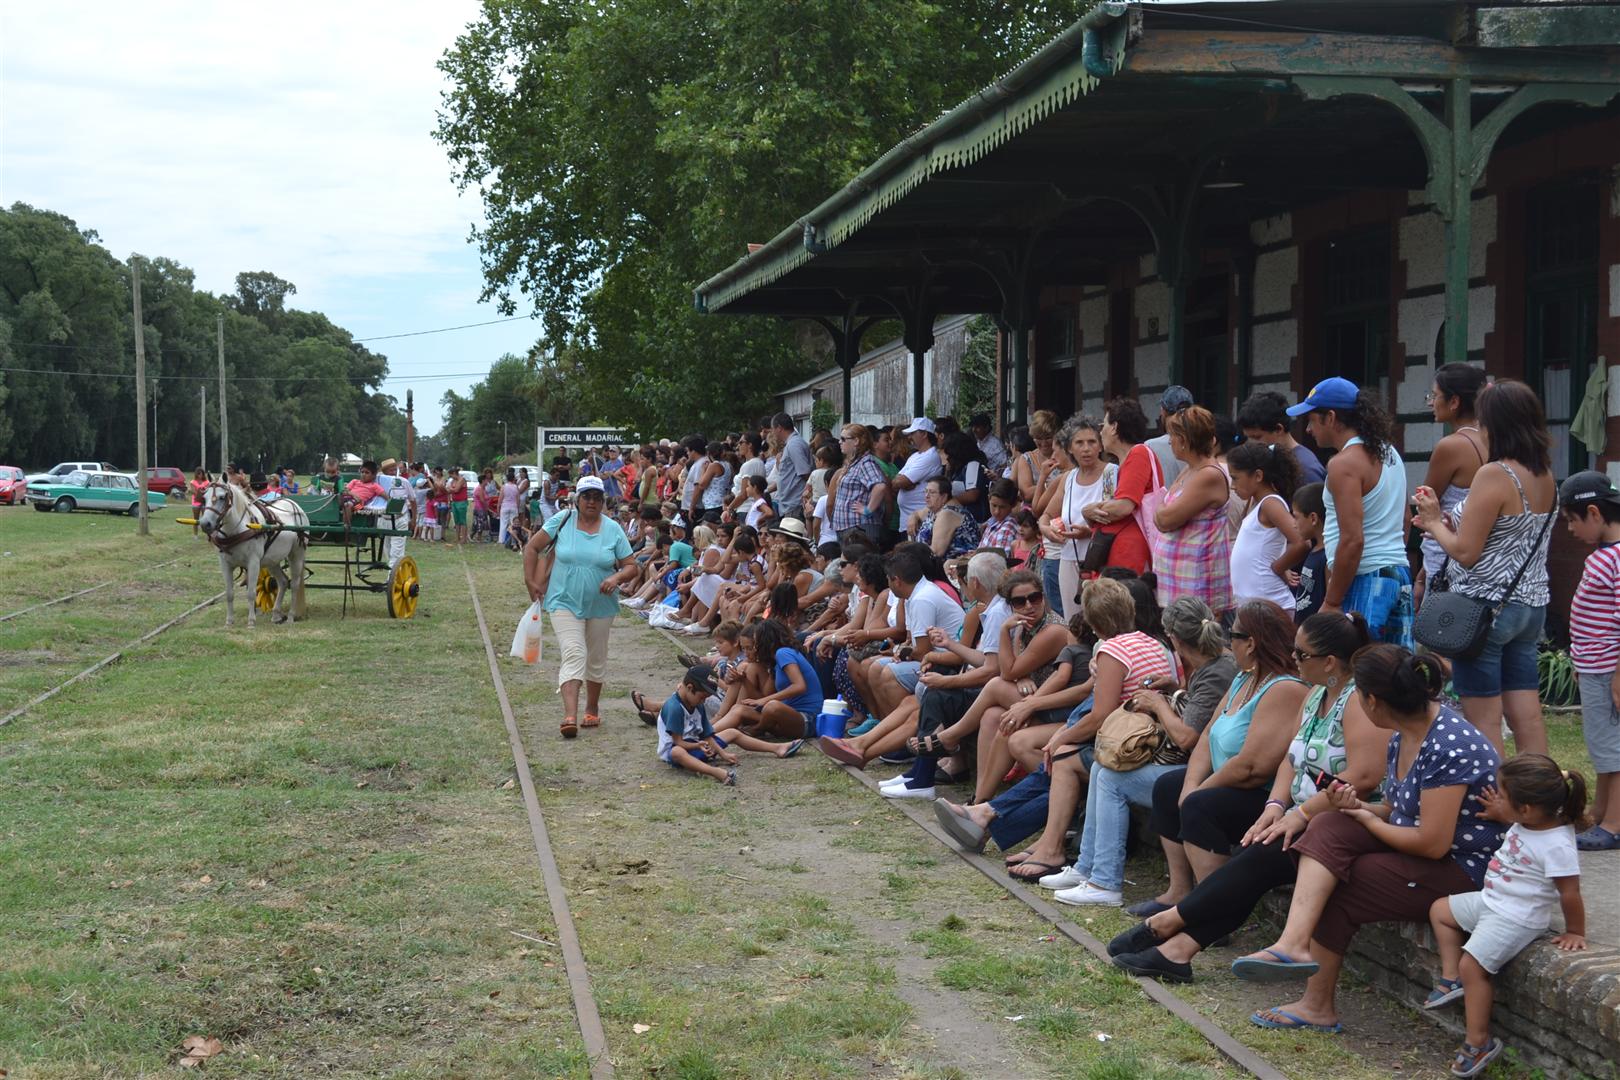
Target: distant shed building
880	384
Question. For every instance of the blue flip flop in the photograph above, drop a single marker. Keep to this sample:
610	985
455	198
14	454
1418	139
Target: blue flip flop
1287	1021
793	748
1283	968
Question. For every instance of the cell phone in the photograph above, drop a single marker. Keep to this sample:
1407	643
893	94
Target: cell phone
1324	779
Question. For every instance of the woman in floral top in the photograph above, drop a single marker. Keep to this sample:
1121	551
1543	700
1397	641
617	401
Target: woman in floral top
1391	861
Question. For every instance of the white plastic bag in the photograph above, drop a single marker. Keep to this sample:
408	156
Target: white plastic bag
528	642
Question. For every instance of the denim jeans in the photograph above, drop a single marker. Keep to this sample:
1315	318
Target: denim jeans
1051	583
1021	809
1109	798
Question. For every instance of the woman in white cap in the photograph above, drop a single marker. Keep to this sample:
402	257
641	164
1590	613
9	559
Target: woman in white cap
574	563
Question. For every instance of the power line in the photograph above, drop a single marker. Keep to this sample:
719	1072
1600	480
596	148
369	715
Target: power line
352	340
249	378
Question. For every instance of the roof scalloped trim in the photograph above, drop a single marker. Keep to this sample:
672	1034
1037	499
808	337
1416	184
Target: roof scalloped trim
1064	87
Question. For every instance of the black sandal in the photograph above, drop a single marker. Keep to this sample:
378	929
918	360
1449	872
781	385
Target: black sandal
932	744
1045	868
639	700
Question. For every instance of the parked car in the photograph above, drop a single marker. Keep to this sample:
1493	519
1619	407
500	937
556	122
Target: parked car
113	492
59	472
167	479
13	482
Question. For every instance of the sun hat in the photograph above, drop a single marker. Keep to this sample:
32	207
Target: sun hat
387	461
793	529
1334	393
919	423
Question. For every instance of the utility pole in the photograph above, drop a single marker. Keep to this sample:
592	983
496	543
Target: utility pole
155	388
140	398
410	427
224	426
202	427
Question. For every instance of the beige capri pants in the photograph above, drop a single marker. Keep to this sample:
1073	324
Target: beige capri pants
584	646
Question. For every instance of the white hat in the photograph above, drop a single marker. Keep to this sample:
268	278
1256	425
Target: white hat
794	529
676	522
589	483
919	423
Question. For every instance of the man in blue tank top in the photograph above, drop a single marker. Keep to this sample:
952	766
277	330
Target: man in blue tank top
1364	535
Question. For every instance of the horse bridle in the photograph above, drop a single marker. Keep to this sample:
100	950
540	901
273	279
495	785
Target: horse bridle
214	534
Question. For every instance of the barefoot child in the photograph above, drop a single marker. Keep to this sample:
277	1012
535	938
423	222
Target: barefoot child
1591	508
1535	869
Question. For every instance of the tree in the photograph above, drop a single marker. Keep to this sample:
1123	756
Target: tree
299	386
626	150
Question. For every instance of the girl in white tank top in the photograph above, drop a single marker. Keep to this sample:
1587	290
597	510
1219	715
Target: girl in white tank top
1268	542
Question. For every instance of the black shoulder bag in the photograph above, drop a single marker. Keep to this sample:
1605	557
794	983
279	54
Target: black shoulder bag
1455	626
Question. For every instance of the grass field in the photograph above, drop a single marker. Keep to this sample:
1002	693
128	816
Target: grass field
305	842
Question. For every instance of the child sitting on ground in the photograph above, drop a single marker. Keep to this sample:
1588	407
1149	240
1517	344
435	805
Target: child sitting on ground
1535	868
686	738
363	492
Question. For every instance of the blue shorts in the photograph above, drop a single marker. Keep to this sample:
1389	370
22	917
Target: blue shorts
701	755
906	672
1508	661
672	578
1384	598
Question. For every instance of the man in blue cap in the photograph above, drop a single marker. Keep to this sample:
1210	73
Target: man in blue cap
1175	399
1364	536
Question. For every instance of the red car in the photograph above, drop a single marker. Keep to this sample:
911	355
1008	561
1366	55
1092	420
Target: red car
13	483
166	479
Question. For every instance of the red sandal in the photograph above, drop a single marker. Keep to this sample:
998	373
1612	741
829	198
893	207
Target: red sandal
569	727
591	720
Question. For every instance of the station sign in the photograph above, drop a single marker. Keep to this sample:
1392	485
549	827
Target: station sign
552	438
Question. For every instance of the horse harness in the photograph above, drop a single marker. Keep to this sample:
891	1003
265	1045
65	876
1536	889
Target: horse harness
270	525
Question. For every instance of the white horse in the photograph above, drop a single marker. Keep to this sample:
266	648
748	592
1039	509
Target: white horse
225	520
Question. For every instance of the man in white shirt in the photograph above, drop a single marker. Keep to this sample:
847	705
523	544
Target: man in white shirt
922	466
394	487
927	606
1174	399
995	451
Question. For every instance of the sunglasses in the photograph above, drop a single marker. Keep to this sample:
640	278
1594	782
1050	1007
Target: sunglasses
1238	635
1025	599
1300	656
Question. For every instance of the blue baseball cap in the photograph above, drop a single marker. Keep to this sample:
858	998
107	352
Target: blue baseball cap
1334	393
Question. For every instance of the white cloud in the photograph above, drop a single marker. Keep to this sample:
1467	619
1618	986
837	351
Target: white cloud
294	137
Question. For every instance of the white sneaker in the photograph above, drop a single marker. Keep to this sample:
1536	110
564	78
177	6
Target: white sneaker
903	792
634	602
1066	878
1087	893
898	780
695	630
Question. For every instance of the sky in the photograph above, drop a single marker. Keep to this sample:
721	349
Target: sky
294	138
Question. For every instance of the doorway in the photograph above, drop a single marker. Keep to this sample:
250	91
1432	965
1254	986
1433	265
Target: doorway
1560	324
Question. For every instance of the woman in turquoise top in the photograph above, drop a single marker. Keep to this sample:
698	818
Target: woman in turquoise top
1201	812
575	564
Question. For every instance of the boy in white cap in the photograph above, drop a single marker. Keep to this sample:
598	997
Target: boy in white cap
922	466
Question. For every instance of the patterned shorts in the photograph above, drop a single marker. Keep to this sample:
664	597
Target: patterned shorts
1384	598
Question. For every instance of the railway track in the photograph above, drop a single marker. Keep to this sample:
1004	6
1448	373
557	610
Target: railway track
579	979
1229	1047
107	661
86	592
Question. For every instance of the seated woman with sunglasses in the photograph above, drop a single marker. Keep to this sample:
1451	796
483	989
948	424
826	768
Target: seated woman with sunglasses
1200	646
1335	741
1204	811
1122	657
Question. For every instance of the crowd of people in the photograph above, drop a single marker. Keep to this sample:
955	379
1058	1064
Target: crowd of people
1211	619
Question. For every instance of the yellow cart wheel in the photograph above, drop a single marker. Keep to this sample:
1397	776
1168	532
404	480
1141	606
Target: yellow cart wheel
404	586
264	597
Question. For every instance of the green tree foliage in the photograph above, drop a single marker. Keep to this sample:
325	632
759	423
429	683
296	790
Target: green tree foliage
976	392
626	150
300	386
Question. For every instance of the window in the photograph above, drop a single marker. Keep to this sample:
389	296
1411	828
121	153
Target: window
1356	309
1055	366
1561	280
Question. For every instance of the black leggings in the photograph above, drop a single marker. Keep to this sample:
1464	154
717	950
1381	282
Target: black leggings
1221	903
1214	819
